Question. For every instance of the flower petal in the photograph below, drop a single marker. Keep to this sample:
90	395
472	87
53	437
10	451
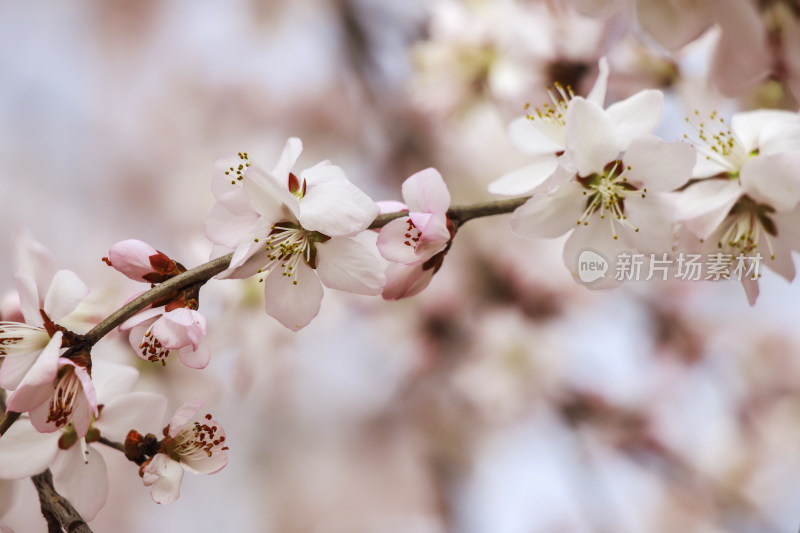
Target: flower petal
773	179
345	264
293	305
143	411
598	92
183	415
546	216
659	165
180	327
391	242
65	293
141	317
37	385
426	192
195	357
81	480
704	205
271	199
404	281
132	258
291	151
748	125
335	207
592	139
531	136
25	452
164	476
226	228
526	179
29	298
637	115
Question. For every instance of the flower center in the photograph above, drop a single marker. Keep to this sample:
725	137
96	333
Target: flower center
152	349
716	141
65	396
201	439
236	172
747	223
606	193
412	235
286	246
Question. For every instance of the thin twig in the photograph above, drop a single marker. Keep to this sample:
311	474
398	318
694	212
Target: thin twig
60	514
112	444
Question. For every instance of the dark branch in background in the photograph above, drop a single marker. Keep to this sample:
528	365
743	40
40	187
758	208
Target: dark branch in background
111	444
61	516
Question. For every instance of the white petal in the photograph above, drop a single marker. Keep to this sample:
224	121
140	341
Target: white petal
183	415
773	179
65	293
637	115
142	411
33	258
526	179
704	205
546	216
165	476
598	92
741	56
781	262
141	317
596	237
291	151
84	484
347	265
336	207
391	242
37	385
653	215
195	357
25	452
18	339
780	135
426	192
28	298
658	165
270	199
14	369
112	379
226	228
293	305
592	139
748	125
528	137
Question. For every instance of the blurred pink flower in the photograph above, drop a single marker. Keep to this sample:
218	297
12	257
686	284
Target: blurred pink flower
298	233
197	447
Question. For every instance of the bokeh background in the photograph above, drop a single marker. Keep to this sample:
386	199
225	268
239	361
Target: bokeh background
504	399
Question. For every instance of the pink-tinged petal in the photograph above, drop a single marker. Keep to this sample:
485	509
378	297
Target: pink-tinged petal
163	476
741	57
391	242
293	304
347	265
29	302
546	216
65	293
748	126
136	339
271	199
141	317
654	216
291	151
773	179
142	411
703	206
14	369
336	208
391	206
598	92
597	238
637	115
226	228
183	415
526	179
25	452
658	165
788	228
404	281
592	139
132	258
200	463
179	327
33	258
434	236
242	255
195	357
426	192
751	290
672	24
37	385
780	136
534	137
83	481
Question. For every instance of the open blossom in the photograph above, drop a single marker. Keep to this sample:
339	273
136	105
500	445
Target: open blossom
746	199
541	133
22	343
156	332
79	471
296	232
191	445
612	204
416	244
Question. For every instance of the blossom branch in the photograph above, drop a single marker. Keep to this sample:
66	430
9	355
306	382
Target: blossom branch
59	513
112	444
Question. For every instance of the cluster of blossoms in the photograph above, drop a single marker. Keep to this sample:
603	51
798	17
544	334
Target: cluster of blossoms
602	175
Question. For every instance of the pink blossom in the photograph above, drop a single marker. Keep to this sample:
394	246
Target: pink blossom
155	332
189	445
296	232
141	262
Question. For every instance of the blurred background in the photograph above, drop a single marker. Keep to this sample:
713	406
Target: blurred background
503	399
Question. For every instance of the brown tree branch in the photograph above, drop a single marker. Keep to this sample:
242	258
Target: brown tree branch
61	516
